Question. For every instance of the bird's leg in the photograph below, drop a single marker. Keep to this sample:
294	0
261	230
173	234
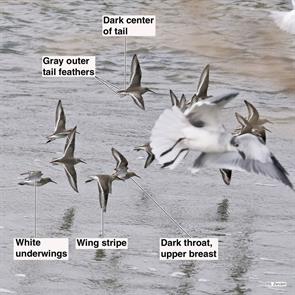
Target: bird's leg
172	162
174	145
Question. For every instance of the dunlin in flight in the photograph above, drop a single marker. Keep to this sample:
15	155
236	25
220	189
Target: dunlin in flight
104	182
134	89
150	156
69	161
122	170
60	130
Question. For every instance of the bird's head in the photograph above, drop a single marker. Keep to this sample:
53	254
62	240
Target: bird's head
235	144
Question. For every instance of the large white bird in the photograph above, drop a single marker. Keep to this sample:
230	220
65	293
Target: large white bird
200	128
285	20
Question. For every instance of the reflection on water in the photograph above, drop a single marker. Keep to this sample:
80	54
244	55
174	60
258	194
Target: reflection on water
100	254
241	262
223	211
186	284
68	219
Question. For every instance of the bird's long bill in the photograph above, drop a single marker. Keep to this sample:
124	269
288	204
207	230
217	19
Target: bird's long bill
242	154
139	148
53	181
152	91
83	161
88	180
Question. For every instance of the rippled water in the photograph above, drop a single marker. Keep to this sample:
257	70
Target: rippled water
253	218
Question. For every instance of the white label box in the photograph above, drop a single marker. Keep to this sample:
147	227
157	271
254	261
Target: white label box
188	249
101	243
128	25
68	66
40	249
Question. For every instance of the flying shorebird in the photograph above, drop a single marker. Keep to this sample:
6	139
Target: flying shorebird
34	179
200	128
121	171
285	20
182	104
69	161
202	88
104	183
147	148
248	127
254	117
134	89
60	130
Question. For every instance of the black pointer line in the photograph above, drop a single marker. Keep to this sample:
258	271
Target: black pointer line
125	61
159	206
35	189
112	87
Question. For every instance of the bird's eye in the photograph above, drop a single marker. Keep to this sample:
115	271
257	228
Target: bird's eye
234	142
199	124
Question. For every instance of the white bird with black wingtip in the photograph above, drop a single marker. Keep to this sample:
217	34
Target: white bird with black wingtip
200	128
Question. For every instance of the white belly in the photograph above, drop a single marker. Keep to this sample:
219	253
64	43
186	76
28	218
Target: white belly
202	140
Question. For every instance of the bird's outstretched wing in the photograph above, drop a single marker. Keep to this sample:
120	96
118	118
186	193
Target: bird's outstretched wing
104	188
33	175
120	159
174	99
60	118
135	74
72	176
256	158
138	100
203	83
70	144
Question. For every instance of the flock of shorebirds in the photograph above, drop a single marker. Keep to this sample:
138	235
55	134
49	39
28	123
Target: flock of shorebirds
191	124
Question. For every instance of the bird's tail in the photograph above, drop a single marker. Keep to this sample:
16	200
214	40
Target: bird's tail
168	140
